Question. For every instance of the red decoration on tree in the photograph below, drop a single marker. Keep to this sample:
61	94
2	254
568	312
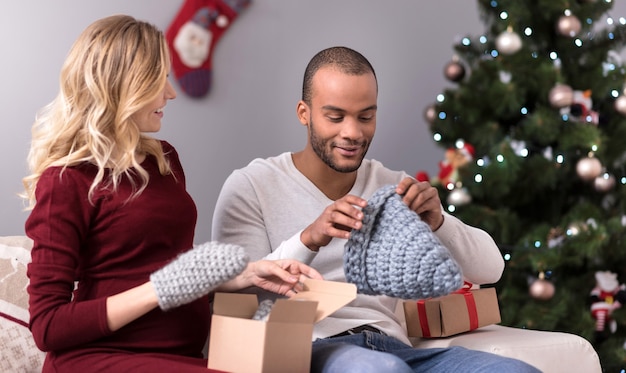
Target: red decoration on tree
454	158
448	168
422	176
192	36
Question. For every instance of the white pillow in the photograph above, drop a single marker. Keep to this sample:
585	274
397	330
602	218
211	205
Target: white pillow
19	353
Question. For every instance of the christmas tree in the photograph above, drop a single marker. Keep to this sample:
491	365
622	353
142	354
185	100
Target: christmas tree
534	127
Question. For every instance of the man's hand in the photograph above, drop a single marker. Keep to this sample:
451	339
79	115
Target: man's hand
337	220
422	198
283	276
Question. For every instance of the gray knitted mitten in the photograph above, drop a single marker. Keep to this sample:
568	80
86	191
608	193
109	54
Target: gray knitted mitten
193	274
264	310
396	254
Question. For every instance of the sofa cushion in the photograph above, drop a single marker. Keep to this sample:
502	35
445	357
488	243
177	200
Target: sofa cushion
547	351
19	353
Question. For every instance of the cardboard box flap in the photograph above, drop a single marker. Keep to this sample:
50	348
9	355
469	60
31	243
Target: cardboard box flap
287	311
235	305
329	295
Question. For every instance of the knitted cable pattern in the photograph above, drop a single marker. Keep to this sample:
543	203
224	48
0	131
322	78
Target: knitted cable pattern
396	254
194	273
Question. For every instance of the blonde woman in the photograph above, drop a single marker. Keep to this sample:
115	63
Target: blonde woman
115	284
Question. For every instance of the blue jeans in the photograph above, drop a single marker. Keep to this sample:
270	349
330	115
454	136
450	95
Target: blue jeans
369	352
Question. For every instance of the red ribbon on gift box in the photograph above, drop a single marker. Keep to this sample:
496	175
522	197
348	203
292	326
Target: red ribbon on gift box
421	311
469	302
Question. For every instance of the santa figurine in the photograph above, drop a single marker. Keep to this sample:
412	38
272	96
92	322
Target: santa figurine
448	167
454	158
607	296
581	109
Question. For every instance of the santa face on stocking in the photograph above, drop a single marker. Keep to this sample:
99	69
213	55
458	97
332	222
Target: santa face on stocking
194	39
192	36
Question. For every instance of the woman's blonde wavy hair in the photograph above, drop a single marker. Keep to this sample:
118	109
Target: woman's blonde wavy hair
115	67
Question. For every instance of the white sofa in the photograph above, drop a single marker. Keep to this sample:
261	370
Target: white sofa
548	351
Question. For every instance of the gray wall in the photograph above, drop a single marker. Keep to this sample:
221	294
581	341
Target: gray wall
258	66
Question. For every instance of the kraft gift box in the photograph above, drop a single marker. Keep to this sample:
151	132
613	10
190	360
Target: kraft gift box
462	311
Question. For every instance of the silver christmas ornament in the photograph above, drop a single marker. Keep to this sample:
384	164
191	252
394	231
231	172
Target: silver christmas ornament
542	289
568	25
588	168
508	42
459	197
454	71
620	105
430	114
561	95
604	183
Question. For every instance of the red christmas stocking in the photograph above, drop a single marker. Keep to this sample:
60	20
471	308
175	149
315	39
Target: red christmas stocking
192	36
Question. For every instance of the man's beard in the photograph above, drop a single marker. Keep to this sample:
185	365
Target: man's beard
323	150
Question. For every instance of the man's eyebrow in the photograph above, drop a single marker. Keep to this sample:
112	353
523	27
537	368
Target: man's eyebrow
373	107
335	108
332	108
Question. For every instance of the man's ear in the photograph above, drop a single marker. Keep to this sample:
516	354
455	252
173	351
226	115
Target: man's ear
303	113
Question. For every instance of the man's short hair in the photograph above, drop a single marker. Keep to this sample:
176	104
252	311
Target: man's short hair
346	60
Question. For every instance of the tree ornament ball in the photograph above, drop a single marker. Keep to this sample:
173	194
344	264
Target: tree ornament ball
588	168
508	42
620	105
576	227
454	71
568	25
541	289
561	95
459	197
604	183
430	114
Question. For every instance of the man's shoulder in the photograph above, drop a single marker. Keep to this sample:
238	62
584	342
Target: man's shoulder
258	164
276	159
375	168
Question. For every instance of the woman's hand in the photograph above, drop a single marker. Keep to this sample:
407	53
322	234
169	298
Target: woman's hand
282	276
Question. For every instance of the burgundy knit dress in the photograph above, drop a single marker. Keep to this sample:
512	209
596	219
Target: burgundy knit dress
84	252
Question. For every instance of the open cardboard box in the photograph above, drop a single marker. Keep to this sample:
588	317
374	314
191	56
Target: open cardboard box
283	343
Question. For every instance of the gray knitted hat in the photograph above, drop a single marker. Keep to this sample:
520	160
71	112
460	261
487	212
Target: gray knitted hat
395	253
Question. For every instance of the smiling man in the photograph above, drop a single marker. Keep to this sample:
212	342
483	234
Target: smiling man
304	206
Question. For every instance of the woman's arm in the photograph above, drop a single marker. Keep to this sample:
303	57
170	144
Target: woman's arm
281	276
56	225
125	307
